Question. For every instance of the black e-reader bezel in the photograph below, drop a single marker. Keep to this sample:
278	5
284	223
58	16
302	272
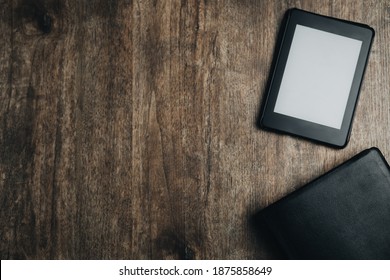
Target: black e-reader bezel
299	127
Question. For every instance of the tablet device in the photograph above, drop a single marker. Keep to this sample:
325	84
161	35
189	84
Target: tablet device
316	77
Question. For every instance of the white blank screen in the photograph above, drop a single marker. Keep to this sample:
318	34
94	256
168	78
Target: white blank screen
318	76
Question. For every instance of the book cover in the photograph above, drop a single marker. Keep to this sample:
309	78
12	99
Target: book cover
344	214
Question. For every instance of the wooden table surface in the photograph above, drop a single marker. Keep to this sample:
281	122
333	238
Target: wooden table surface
128	128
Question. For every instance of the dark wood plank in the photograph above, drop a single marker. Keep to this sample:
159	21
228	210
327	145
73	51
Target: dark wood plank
128	128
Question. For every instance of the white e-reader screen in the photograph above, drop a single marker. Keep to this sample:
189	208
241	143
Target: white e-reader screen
316	77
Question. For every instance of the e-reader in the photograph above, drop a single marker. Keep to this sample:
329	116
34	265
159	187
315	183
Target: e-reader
317	73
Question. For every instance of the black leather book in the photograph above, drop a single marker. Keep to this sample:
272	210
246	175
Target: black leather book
344	214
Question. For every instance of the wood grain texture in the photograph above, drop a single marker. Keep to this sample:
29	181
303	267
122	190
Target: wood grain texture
128	128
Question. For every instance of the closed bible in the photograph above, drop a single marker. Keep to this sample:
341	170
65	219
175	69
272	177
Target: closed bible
344	214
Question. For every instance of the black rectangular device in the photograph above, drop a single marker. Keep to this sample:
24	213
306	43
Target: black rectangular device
316	78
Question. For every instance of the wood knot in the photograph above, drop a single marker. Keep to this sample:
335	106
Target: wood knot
38	15
44	23
171	246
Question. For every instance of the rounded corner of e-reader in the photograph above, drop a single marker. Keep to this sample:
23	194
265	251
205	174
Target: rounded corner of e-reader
316	78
